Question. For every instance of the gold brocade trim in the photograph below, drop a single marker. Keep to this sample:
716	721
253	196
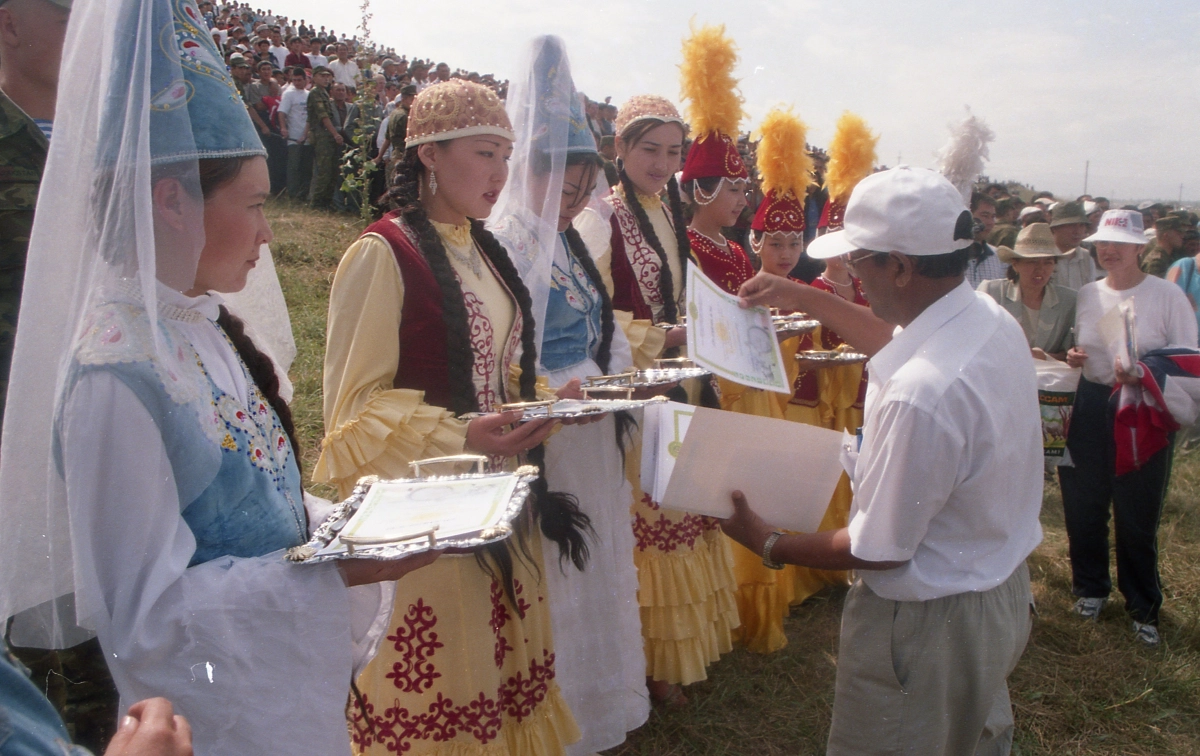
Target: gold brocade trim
647	201
454	234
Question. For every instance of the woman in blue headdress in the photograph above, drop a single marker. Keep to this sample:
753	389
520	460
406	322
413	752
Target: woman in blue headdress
594	612
154	483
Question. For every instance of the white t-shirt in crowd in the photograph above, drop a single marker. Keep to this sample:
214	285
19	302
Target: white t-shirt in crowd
318	60
345	73
1163	315
949	475
279	55
294	106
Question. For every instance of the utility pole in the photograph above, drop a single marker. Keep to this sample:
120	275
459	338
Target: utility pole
1086	167
1181	194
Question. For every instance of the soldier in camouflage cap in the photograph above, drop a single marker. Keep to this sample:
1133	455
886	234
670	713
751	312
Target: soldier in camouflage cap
1167	247
326	141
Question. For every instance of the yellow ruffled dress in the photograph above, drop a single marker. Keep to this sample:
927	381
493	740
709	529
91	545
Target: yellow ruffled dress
462	671
830	398
763	595
685	566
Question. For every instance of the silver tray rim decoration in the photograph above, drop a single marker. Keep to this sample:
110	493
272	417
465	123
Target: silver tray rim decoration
345	509
798	324
553	408
833	357
665	372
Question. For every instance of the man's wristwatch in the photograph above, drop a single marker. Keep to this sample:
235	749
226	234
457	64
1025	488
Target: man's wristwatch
766	552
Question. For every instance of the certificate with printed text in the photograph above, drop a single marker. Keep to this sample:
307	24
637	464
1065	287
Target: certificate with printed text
736	344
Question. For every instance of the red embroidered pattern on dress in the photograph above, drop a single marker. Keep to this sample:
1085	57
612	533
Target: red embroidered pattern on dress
665	534
483	343
643	259
481	718
500	616
416	643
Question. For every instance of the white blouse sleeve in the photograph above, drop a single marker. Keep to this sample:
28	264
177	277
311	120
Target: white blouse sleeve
256	653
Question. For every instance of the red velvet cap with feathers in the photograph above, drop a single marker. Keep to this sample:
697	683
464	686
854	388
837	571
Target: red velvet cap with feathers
785	168
851	159
714	105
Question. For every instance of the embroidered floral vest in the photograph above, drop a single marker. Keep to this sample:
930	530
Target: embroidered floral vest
636	266
728	268
572	328
423	362
238	482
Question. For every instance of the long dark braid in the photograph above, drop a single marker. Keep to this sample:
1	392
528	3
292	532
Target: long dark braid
682	242
262	372
580	252
558	513
666	281
495	559
578	249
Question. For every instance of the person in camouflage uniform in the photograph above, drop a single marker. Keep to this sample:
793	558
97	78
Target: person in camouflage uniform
29	71
326	141
1167	247
1004	233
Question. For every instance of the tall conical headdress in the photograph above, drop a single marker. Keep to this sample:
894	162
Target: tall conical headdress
851	159
785	168
714	106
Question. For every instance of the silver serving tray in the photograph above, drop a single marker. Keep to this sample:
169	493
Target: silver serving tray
664	373
328	531
564	409
833	358
794	325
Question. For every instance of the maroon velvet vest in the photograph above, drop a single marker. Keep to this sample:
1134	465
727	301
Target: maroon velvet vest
626	294
423	363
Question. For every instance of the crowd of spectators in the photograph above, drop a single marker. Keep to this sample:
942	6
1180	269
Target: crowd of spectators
286	68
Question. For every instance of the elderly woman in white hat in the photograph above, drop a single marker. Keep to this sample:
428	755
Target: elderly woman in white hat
1045	311
1092	491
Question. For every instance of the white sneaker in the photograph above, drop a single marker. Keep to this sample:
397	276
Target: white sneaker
1146	634
1089	608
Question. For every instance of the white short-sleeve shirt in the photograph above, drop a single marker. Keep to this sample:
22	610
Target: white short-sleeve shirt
1163	317
949	475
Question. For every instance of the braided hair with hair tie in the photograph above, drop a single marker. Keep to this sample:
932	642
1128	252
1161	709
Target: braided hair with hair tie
558	514
666	280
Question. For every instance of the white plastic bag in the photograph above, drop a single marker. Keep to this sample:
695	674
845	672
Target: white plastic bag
1057	382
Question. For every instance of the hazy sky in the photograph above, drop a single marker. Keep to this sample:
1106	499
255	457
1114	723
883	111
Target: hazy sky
1061	82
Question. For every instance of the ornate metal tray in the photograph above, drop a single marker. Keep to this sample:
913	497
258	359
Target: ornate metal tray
796	324
833	357
563	409
664	373
327	544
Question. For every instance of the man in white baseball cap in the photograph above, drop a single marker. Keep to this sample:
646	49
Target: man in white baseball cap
947	478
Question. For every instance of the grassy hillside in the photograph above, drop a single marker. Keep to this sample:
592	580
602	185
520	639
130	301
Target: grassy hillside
1080	688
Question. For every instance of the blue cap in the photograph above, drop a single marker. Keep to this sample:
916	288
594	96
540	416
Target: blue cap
195	108
553	76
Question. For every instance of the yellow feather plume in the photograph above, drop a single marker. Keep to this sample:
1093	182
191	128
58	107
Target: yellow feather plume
783	161
707	83
851	156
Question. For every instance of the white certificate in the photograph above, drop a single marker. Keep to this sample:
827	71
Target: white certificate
736	344
787	470
664	426
400	510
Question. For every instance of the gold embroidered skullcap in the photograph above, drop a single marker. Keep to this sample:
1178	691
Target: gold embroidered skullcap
453	109
643	107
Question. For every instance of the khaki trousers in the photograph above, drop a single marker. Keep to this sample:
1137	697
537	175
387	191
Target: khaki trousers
929	677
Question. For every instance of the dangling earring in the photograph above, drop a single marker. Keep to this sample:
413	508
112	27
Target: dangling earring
432	183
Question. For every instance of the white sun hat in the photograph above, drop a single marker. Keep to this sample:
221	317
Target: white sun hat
1120	226
913	211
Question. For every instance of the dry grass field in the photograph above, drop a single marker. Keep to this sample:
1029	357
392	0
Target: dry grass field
1080	688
